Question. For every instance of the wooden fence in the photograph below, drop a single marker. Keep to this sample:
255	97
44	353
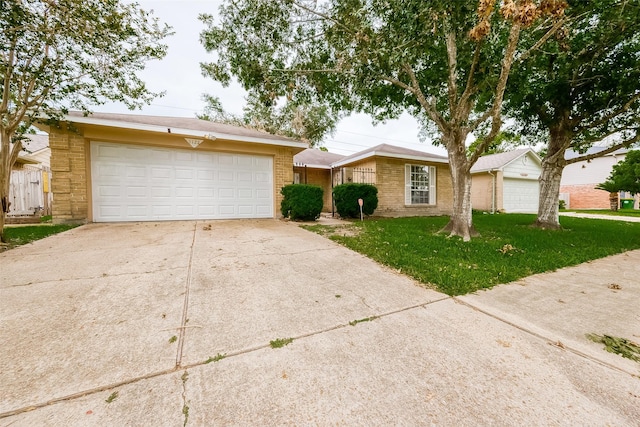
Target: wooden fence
29	192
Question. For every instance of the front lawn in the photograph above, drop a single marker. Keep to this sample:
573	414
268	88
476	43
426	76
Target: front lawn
508	248
22	235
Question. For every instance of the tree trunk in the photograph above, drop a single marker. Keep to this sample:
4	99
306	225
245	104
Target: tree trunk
8	157
5	175
552	166
548	204
614	201
461	221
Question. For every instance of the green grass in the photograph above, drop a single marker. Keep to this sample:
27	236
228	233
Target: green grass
280	342
619	212
508	248
17	236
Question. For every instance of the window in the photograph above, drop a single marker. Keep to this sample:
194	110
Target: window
420	185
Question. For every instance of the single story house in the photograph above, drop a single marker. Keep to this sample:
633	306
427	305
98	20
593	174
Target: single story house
121	167
313	166
409	182
577	186
506	182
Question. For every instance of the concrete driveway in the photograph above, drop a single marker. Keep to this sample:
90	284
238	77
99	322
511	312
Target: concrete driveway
124	324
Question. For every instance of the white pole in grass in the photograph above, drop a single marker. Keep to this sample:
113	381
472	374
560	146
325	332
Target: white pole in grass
361	202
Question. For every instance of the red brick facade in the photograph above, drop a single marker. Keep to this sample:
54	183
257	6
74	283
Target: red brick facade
585	196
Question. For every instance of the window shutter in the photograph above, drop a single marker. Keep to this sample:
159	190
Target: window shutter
407	184
432	185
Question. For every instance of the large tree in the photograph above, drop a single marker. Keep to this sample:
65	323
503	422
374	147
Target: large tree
308	123
582	88
445	62
62	54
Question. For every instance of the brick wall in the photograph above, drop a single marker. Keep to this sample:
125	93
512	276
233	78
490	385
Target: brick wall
69	175
283	170
586	197
390	181
320	177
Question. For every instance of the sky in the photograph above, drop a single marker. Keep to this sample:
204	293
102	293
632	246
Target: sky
178	74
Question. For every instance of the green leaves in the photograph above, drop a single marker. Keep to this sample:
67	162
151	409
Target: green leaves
625	175
74	53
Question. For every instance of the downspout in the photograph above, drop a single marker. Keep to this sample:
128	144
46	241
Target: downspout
493	192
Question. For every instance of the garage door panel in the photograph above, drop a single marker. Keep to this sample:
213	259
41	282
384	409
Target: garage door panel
520	195
141	183
244	177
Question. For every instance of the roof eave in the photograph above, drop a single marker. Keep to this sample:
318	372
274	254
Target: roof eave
183	132
391	155
310	165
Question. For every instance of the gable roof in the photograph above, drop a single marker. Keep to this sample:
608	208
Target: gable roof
314	158
388	150
571	154
35	142
32	144
182	126
501	160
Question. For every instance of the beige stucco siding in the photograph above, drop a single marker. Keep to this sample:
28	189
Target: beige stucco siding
482	191
70	163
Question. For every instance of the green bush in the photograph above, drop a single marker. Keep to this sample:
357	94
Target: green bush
346	197
301	202
562	204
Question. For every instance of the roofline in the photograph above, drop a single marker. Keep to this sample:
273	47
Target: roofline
529	150
385	154
182	132
302	165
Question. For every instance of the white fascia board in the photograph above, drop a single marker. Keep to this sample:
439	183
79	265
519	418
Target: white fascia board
183	132
487	170
302	165
392	155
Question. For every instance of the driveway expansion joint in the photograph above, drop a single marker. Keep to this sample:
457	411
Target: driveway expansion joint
185	307
185	368
550	341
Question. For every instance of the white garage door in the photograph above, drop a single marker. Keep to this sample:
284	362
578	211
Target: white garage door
135	183
520	195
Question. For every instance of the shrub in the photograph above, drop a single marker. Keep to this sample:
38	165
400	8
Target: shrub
562	204
301	202
346	197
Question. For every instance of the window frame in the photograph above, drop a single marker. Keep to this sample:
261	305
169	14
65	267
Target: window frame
409	184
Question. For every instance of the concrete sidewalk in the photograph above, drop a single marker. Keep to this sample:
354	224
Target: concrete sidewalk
601	216
171	323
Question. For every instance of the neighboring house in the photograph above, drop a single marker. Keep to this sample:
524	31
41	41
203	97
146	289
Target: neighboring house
313	166
121	167
409	182
29	184
506	182
577	186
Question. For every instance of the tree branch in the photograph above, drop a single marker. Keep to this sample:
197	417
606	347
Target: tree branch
554	28
429	107
611	115
324	16
608	150
452	84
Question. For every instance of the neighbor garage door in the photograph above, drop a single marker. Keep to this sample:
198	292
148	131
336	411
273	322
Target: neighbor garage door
136	183
520	195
